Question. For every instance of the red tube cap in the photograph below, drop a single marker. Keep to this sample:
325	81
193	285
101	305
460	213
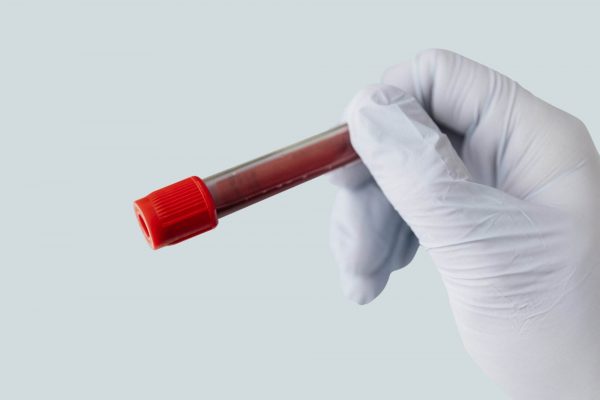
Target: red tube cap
176	212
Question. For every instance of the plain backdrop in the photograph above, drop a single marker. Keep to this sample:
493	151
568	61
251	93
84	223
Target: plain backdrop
104	101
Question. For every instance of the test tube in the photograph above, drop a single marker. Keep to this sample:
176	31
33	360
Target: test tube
192	206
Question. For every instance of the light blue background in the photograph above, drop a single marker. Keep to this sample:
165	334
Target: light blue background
103	101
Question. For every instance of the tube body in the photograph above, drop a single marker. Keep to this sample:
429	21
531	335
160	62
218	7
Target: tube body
280	170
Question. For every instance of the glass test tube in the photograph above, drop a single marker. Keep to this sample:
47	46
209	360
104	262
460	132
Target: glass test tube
193	206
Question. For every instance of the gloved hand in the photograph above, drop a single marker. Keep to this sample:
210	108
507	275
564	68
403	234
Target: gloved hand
511	217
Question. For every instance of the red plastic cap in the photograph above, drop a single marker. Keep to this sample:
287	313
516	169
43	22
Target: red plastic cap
176	212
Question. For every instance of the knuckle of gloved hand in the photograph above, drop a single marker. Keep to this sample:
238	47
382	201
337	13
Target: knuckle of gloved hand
577	126
435	57
376	95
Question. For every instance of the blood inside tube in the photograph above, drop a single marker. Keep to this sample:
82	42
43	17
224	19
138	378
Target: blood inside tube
256	180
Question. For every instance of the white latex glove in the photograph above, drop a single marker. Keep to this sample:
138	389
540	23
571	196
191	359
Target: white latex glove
513	224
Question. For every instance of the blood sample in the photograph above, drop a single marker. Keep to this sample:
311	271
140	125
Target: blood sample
193	206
